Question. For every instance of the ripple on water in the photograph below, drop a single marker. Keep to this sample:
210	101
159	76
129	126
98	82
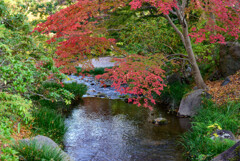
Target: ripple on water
102	130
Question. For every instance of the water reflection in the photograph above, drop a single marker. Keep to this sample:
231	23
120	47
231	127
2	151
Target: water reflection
102	130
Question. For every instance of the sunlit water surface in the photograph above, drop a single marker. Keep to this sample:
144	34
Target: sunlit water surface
112	130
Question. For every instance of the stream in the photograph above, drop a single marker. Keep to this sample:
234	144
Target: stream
108	129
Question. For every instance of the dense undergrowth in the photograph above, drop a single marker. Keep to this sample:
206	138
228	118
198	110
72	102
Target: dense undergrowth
44	118
197	142
14	111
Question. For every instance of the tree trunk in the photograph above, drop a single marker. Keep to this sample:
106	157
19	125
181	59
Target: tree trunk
188	45
196	72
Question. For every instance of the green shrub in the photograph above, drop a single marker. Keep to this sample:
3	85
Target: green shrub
77	89
197	142
96	71
13	109
30	151
48	122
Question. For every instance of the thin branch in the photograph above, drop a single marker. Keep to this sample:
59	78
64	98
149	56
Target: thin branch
179	59
40	95
117	29
176	29
169	47
177	55
173	12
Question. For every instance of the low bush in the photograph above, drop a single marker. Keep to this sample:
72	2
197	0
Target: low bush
31	151
96	71
14	110
77	89
48	122
197	142
15	107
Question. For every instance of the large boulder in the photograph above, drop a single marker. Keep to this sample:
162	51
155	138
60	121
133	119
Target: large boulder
160	121
191	102
229	62
43	140
232	154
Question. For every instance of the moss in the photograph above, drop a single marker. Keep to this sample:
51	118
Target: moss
237	154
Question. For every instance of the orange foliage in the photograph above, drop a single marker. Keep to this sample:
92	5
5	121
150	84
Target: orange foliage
231	91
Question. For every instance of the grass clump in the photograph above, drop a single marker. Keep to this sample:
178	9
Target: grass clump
96	71
31	151
197	142
49	123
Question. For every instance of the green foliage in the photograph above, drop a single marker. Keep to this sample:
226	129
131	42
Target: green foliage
96	71
13	109
78	90
48	122
173	94
26	60
31	151
137	33
197	142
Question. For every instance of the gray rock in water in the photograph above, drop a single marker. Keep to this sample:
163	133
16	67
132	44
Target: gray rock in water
101	95
160	121
223	134
43	140
229	62
232	154
226	81
191	102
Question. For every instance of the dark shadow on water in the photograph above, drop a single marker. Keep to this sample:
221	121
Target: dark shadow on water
103	129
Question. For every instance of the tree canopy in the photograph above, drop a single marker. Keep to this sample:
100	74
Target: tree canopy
80	32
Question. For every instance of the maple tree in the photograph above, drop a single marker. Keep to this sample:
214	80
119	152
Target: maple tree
219	17
142	76
76	27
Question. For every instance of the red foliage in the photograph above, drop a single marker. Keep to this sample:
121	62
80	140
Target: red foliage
76	29
222	16
142	75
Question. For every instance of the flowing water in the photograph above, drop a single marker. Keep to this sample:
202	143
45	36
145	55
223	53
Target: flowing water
112	130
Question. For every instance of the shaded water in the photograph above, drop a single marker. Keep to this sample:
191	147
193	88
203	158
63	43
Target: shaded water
112	130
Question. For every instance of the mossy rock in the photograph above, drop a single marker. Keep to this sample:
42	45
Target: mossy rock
232	154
